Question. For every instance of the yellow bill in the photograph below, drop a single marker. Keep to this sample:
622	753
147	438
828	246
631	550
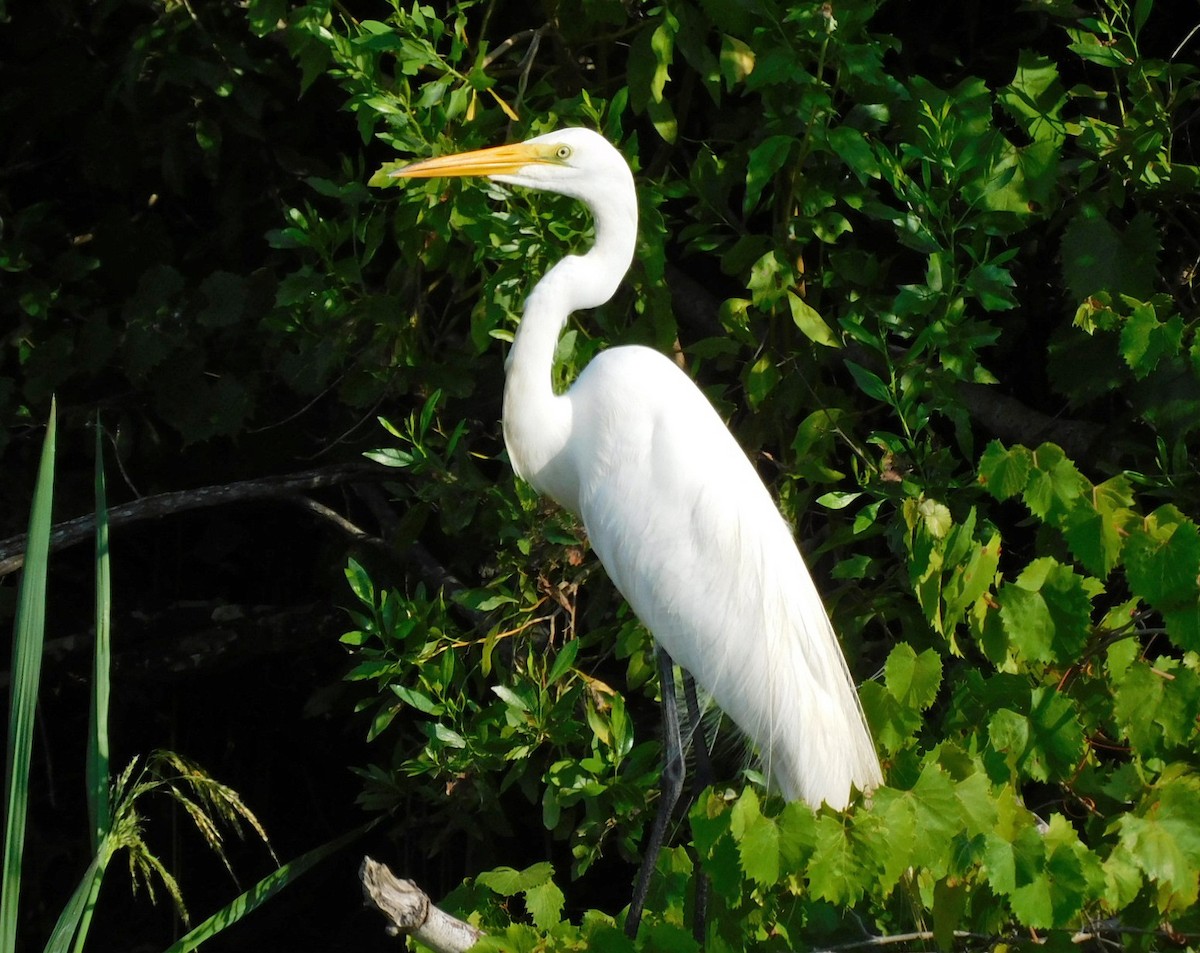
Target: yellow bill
500	160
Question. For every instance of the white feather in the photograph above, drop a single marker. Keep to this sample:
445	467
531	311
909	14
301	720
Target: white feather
672	506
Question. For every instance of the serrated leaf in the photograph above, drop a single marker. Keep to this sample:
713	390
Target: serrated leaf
1055	485
545	904
1156	705
920	823
1045	741
913	679
1163	840
1162	559
1015	869
1046	612
1056	743
1004	473
1145	340
506	881
758	849
837	872
757	839
1096	256
1097	533
797	834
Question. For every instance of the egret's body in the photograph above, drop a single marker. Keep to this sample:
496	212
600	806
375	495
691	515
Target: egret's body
671	505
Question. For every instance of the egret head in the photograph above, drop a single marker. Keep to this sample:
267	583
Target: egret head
575	162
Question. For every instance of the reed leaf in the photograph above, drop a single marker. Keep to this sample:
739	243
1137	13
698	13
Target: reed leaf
28	636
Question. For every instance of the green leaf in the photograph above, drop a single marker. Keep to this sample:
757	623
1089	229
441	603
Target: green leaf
811	324
913	679
837	872
764	161
949	905
757	838
1046	612
1162	559
1036	97
1097	533
1145	340
544	903
1056	742
510	698
28	635
869	383
1062	880
1156	705
1055	485
508	882
74	914
970	578
1105	51
919	824
1004	473
737	61
853	149
97	752
360	582
1097	256
1045	744
992	285
449	737
1163	840
263	891
563	661
418	700
761	380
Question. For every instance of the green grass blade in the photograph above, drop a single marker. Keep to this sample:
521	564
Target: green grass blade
97	753
79	907
28	636
262	891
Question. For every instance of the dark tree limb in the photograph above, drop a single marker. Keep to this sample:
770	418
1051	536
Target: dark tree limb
1015	422
410	912
288	487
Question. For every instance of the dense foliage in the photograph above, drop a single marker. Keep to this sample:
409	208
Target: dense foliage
937	269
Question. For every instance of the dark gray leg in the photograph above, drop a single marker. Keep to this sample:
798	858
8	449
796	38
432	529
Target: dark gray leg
671	786
701	779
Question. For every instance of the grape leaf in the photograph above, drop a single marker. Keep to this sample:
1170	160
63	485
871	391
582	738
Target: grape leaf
1004	473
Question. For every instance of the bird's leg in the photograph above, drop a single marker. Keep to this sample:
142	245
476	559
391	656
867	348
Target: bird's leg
671	786
701	779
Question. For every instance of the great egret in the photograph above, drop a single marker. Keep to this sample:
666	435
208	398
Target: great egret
671	504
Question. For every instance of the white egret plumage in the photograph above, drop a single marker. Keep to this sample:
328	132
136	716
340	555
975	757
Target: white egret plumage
672	506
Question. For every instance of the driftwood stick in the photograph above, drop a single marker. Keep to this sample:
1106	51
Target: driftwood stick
410	912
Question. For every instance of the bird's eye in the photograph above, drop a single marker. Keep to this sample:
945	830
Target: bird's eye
563	152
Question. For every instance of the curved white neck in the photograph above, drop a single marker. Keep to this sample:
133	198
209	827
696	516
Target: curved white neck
537	422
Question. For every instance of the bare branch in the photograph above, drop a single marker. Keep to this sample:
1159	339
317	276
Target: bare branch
410	912
12	550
